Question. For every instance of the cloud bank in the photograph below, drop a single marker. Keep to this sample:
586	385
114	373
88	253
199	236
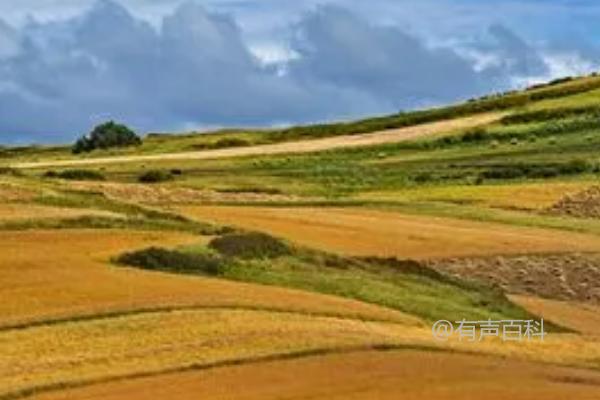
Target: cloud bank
195	69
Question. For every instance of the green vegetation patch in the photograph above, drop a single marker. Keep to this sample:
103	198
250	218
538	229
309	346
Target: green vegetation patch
250	245
407	286
156	176
76	175
157	259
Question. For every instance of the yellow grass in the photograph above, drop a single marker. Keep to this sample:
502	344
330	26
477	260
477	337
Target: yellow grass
101	350
57	274
82	351
367	232
407	375
529	196
582	317
305	146
15	212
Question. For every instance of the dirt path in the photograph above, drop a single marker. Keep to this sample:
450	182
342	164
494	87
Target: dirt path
362	376
306	146
363	232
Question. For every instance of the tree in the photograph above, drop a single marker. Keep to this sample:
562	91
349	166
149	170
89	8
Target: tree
105	136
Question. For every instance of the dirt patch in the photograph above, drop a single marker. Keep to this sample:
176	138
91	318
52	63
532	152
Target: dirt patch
169	195
556	276
306	146
410	375
584	204
363	232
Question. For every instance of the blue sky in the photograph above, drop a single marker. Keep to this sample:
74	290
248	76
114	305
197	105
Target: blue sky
164	65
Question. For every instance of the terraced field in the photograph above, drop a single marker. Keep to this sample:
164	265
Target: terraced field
311	263
364	375
64	274
390	234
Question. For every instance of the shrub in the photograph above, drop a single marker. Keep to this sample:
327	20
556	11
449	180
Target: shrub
475	135
250	245
105	136
10	171
230	142
575	167
155	176
76	175
157	259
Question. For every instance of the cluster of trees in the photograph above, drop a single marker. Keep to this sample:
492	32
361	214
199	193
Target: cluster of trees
106	136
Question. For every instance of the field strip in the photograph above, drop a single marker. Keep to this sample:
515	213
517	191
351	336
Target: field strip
363	232
16	212
142	344
35	391
356	375
169	309
60	356
305	146
582	317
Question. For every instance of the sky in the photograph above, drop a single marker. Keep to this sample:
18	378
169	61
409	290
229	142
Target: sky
172	66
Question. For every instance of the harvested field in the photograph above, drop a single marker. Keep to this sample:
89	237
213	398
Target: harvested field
380	233
306	146
554	276
79	352
584	204
15	212
62	274
526	196
367	375
582	317
10	192
172	195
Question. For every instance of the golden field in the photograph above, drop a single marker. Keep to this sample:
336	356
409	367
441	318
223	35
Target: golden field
65	273
410	375
358	231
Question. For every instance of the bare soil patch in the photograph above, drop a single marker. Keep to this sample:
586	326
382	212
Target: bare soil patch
554	276
584	204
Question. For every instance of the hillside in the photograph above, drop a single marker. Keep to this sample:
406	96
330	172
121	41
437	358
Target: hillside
227	265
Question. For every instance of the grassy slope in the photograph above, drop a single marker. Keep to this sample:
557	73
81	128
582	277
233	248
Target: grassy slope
165	143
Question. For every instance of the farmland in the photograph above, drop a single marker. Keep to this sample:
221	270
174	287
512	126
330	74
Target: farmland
208	265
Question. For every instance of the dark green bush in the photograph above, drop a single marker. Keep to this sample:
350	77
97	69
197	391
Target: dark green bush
155	176
250	245
475	135
157	259
76	175
230	142
575	167
536	171
106	136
